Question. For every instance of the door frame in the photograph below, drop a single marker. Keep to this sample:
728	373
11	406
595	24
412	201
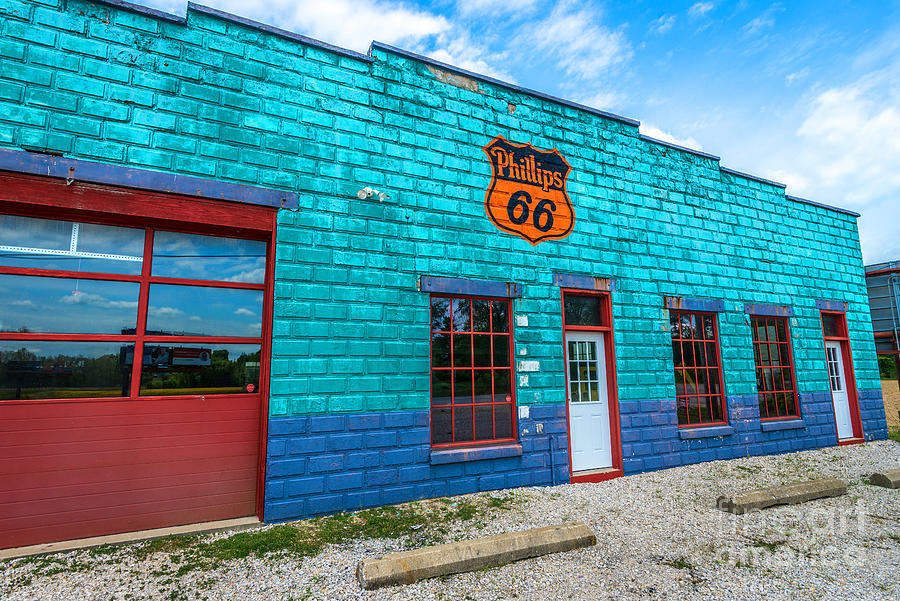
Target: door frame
843	339
28	195
612	391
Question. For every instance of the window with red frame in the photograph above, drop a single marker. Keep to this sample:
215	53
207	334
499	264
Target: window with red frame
79	301
471	371
774	368
698	377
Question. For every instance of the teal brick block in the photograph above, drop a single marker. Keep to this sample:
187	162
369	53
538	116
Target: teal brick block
26	74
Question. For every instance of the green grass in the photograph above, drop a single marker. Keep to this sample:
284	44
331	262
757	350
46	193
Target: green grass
894	434
420	522
770	546
679	563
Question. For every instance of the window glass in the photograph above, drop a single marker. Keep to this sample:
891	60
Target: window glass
67	306
697	378
500	316
203	311
68	246
832	324
774	369
199	369
582	310
197	257
43	369
471	376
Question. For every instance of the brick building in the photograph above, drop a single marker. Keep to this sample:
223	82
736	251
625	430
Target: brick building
356	280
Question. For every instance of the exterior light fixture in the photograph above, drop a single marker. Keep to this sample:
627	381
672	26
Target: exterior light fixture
368	192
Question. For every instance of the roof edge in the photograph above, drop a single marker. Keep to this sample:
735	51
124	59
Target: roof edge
143	10
822	205
699	153
501	83
232	18
283	33
50	165
755	178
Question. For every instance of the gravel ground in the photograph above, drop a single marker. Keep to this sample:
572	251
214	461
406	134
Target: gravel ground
658	537
891	393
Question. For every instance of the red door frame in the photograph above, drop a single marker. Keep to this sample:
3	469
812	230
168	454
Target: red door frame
51	198
612	389
850	379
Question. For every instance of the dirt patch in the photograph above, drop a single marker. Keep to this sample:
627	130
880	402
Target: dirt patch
891	393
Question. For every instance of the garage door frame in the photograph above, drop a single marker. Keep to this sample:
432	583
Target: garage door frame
146	200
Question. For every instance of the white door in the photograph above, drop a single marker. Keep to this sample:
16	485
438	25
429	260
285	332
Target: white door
588	401
839	389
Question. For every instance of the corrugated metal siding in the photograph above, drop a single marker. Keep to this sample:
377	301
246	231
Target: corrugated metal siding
87	468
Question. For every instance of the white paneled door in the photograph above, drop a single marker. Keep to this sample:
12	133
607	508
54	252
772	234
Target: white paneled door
839	396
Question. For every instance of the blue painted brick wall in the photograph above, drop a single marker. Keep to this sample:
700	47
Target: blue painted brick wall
325	463
217	98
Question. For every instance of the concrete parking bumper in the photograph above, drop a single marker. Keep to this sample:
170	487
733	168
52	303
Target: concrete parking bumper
886	478
788	494
407	567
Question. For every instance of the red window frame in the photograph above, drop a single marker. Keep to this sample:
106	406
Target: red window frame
683	400
473	369
612	391
765	392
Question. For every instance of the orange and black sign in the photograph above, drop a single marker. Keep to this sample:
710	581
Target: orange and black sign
527	196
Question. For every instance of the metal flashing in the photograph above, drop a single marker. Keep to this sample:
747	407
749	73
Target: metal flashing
830	305
500	83
822	205
225	16
768	310
583	282
143	10
290	35
694	304
755	178
462	286
144	179
699	153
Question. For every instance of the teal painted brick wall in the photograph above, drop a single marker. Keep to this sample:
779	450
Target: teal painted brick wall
217	99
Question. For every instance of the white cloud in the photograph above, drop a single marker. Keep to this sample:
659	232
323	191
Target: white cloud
165	312
22	303
700	9
460	51
495	7
603	100
763	21
243	311
349	24
578	42
96	300
848	155
251	275
662	24
655	132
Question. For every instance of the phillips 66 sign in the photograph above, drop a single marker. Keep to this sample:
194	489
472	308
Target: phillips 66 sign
527	195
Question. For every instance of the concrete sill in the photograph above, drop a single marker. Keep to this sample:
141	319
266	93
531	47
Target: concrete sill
705	432
784	424
458	455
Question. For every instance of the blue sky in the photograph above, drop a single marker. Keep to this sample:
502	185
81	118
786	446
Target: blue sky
806	93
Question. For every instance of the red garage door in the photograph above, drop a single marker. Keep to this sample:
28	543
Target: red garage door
133	359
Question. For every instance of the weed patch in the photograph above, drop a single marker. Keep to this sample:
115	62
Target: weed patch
894	434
